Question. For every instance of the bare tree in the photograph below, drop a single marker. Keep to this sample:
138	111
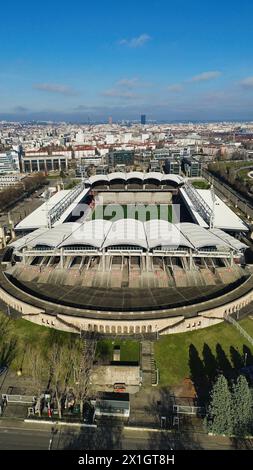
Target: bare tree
82	358
60	366
35	364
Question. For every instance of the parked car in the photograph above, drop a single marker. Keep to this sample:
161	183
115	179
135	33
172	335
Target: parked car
119	387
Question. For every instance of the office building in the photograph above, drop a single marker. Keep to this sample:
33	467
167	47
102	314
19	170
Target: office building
143	119
120	157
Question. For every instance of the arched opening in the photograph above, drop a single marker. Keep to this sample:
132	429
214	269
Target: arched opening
117	183
135	183
152	183
169	184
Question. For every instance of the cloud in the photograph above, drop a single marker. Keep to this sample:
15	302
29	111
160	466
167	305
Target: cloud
55	88
131	83
247	82
116	93
205	76
128	82
176	88
135	42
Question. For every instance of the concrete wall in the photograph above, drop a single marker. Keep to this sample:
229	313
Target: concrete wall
177	324
134	197
163	326
18	305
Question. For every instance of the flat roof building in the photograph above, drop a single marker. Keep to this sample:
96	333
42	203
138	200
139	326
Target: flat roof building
113	405
47	163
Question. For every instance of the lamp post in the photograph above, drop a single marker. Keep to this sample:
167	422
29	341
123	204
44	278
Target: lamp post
245	359
53	431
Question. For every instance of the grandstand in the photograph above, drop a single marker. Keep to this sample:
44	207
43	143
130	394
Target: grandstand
135	180
77	262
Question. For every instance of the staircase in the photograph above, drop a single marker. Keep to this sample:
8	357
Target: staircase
89	350
148	365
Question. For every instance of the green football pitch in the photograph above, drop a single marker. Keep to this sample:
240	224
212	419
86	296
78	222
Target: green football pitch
140	212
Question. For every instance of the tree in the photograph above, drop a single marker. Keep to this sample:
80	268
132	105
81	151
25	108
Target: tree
242	407
60	373
36	367
82	358
219	414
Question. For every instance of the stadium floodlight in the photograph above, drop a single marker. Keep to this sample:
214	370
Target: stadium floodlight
47	197
211	224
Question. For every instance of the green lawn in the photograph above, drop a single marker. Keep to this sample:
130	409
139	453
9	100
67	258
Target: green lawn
172	351
198	184
72	184
53	176
129	350
26	334
244	174
17	336
139	212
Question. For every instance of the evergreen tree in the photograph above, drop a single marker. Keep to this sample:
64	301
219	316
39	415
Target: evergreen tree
219	414
242	407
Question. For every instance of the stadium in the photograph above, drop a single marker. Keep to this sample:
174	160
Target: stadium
128	254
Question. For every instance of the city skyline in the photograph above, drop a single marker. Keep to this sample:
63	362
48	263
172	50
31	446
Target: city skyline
174	62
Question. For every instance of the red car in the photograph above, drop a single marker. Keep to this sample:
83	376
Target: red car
119	387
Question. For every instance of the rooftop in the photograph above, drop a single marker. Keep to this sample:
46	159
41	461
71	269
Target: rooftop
224	217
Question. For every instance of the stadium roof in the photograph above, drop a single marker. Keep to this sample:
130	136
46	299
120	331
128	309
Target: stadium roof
161	232
21	242
38	218
126	232
53	237
91	233
100	233
97	178
176	178
75	208
155	175
224	217
116	175
200	237
193	209
232	241
135	175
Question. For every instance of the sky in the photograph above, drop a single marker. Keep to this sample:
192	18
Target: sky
172	60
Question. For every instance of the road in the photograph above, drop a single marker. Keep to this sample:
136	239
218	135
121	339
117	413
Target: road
16	435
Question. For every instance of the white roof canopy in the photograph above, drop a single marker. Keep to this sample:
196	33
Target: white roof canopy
31	237
134	175
90	233
201	237
232	241
126	232
163	233
117	175
55	236
153	175
154	233
160	177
